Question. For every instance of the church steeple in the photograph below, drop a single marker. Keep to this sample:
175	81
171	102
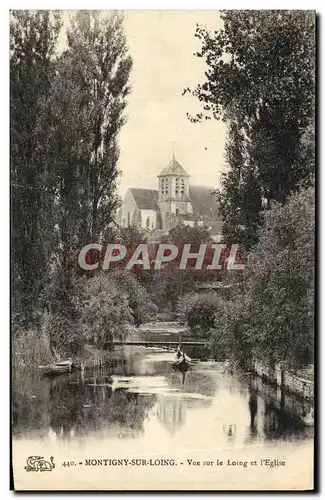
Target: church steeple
173	197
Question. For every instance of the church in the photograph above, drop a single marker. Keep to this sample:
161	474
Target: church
175	202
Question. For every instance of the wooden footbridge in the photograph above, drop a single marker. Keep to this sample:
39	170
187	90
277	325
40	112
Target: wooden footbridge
157	343
172	331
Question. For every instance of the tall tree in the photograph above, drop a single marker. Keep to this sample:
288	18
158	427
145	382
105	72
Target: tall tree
260	80
33	38
86	108
101	65
240	196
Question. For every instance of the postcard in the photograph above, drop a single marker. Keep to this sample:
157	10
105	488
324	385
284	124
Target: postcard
162	250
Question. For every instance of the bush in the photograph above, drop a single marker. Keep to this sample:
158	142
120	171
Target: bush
273	318
64	334
200	311
137	297
29	350
112	302
106	311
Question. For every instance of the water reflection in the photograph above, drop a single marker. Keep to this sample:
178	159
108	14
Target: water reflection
171	412
139	396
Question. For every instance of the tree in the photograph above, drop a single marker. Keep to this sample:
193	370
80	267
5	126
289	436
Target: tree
285	256
179	235
131	236
240	196
33	37
260	80
138	299
113	301
89	97
199	311
106	312
98	53
276	316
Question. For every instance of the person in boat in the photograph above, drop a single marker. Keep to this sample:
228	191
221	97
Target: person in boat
182	363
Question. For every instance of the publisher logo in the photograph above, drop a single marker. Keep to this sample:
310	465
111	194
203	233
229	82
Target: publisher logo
36	463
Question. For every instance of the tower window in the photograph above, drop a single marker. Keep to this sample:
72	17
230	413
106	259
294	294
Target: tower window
182	186
176	186
164	186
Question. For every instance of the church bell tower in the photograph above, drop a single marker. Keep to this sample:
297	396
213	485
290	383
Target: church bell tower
173	197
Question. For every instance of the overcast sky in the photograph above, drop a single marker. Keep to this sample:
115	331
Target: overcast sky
161	45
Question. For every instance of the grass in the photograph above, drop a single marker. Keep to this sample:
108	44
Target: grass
30	349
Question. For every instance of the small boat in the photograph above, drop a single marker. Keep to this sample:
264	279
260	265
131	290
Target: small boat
182	364
180	354
56	368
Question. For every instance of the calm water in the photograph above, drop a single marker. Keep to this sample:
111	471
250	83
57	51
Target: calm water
142	400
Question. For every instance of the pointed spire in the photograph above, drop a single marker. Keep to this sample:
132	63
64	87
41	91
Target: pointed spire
173	149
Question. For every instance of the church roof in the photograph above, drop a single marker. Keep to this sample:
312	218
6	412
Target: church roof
145	198
174	168
203	201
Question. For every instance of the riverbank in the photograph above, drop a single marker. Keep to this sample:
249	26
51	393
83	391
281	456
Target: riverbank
31	349
291	389
300	382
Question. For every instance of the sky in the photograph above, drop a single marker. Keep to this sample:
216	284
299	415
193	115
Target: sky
161	44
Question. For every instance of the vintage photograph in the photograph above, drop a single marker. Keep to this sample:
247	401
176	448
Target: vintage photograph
162	182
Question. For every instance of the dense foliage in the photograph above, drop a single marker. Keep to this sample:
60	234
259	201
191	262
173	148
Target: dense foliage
200	311
33	38
170	283
279	283
269	311
260	79
66	112
67	109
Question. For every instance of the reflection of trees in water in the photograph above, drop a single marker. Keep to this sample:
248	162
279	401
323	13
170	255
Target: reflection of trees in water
171	411
89	408
69	407
30	399
279	423
82	404
252	403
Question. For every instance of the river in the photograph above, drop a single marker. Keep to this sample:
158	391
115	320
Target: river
141	409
